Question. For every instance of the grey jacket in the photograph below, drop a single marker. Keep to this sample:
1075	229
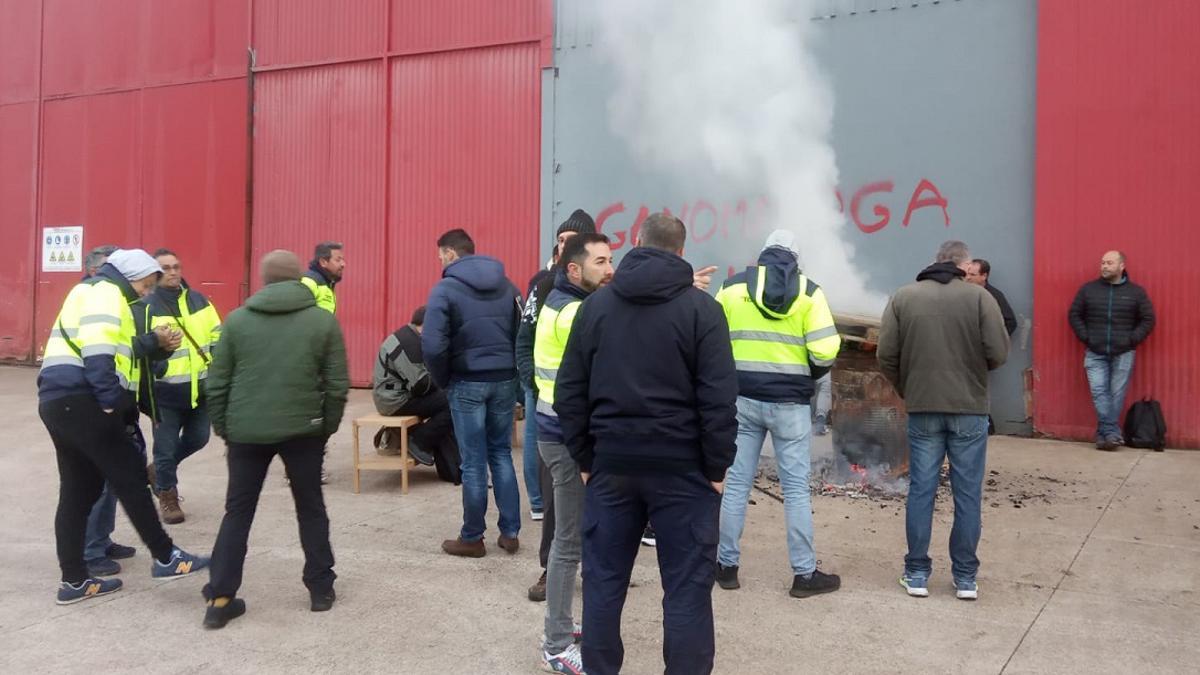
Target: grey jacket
939	338
400	374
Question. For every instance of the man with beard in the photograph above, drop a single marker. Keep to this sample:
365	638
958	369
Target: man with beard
584	266
324	273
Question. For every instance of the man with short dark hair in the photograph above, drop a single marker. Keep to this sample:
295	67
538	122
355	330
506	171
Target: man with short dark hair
402	386
978	273
938	339
277	386
647	400
540	286
180	408
470	328
324	273
1111	316
584	266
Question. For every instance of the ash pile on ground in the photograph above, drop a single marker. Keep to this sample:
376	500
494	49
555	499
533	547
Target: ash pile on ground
1017	490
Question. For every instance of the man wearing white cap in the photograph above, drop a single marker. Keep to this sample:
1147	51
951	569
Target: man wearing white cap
87	398
784	340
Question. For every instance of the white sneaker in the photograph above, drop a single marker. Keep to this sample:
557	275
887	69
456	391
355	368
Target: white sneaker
537	515
966	590
569	662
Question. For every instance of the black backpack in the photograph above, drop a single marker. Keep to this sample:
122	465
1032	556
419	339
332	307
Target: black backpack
1145	426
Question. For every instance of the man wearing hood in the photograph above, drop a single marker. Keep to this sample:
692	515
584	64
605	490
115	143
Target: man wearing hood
1111	316
647	400
784	340
324	273
471	324
938	339
277	385
178	402
88	400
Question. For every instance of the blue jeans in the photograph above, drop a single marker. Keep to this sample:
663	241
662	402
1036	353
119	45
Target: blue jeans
931	438
790	426
483	419
177	436
530	456
1108	378
103	518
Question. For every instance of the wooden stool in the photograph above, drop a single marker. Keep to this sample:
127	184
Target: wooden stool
400	462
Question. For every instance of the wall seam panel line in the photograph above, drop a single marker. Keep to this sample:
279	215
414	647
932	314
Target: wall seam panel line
37	185
128	90
393	54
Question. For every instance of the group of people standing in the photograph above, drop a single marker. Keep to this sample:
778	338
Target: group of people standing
649	400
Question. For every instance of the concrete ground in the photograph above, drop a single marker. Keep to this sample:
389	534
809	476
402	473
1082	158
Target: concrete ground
1097	570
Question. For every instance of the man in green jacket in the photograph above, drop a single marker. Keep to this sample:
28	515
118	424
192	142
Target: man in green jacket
938	339
277	386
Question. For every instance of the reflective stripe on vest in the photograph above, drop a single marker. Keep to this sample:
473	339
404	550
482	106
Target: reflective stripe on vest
553	328
60	352
186	365
784	343
326	298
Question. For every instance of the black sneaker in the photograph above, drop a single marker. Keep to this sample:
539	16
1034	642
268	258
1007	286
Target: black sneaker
119	552
419	456
727	577
648	538
217	617
103	567
818	582
322	602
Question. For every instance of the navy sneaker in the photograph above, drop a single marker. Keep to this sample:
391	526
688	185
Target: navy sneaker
69	594
966	590
181	564
103	567
119	552
916	585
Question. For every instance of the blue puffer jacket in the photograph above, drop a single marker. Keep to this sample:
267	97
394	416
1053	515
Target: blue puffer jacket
471	323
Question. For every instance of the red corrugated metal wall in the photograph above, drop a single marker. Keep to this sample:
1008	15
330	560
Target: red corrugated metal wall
1118	157
380	123
384	128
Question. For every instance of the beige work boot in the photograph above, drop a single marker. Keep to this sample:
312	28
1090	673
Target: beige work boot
169	501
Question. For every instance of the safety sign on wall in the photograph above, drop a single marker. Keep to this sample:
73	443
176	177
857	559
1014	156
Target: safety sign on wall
62	249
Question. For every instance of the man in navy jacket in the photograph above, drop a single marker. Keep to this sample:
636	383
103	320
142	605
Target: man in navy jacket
647	399
471	323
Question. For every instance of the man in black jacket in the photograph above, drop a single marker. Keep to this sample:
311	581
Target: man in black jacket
1111	316
647	399
978	273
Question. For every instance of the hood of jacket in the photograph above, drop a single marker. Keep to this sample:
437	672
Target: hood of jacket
943	273
648	276
109	273
563	284
480	273
774	284
283	297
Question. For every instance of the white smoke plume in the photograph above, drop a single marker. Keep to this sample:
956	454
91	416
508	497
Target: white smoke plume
728	92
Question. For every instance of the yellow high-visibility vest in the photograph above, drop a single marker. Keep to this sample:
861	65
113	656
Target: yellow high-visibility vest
550	342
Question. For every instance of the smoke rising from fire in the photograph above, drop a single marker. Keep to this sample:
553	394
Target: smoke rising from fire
727	93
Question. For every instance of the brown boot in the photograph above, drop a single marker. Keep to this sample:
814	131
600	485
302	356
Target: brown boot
510	544
465	549
169	501
537	592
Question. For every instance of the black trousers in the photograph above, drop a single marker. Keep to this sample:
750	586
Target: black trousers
684	510
92	447
435	410
248	464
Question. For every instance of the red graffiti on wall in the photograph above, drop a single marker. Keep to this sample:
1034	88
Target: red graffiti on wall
747	216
